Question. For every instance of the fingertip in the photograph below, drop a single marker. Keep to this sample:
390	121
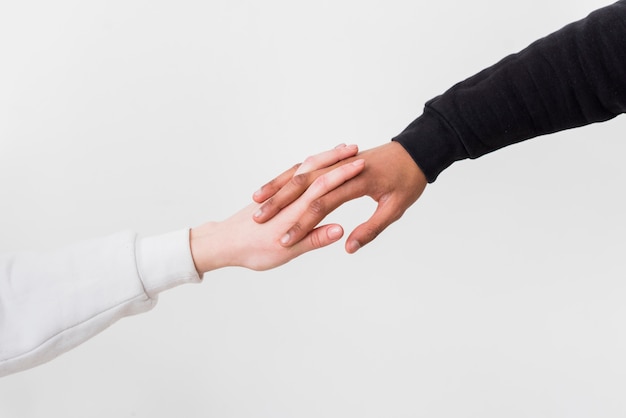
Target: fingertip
258	196
349	151
258	215
352	246
334	232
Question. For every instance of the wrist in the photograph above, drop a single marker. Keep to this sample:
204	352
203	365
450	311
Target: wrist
432	143
204	244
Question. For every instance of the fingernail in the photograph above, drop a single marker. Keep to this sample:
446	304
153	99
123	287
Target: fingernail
334	232
258	213
257	193
285	239
340	146
352	146
353	246
358	163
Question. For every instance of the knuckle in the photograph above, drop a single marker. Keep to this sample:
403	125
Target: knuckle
269	203
321	182
398	212
384	198
317	207
397	215
299	181
316	241
295	229
373	231
272	184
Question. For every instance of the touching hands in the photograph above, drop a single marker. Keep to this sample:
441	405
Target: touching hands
239	241
390	177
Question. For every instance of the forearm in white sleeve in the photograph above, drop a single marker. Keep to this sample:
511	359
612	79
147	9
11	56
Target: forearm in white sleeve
53	301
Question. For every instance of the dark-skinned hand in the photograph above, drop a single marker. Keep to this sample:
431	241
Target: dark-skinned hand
390	177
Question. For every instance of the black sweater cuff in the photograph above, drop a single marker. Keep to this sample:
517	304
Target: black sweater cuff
432	143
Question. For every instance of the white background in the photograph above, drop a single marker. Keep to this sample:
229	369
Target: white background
500	293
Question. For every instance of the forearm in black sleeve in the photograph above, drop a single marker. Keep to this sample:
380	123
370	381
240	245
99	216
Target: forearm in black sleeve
573	77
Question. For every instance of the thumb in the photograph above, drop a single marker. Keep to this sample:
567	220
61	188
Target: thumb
367	232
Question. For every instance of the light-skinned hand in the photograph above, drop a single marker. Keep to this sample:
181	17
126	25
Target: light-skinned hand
239	241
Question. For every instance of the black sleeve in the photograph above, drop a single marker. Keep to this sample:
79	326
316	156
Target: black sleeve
571	78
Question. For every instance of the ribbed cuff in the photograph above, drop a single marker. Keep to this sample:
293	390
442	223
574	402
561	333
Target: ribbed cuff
432	143
164	261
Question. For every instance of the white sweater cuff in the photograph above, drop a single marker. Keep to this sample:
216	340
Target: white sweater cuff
164	261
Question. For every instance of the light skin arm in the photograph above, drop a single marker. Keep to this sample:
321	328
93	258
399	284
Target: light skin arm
100	281
239	241
390	177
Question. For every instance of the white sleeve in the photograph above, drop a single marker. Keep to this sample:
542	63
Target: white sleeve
53	301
